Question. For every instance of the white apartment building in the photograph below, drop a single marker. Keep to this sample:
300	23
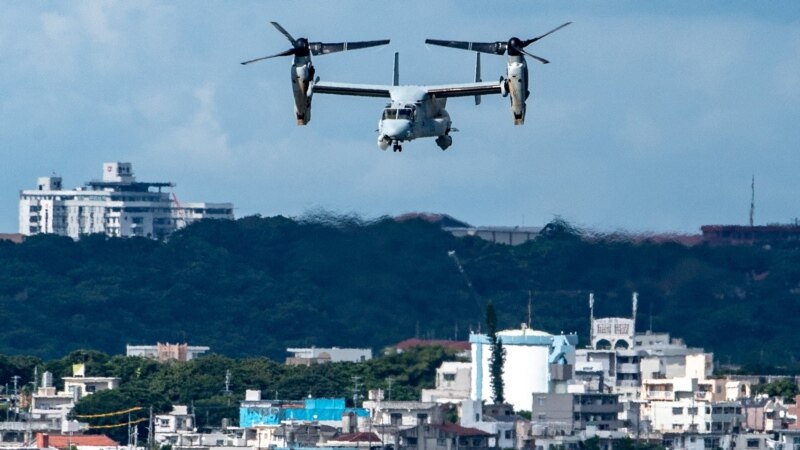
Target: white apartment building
684	405
116	205
453	382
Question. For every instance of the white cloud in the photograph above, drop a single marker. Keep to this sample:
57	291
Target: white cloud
199	141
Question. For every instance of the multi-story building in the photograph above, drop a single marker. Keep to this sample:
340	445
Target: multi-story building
116	205
678	405
314	355
167	351
576	411
453	383
626	357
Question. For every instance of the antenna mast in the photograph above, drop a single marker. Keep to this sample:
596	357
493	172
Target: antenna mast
752	199
591	318
529	309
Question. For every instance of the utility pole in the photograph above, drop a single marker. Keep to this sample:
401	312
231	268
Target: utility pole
752	199
150	431
355	390
228	385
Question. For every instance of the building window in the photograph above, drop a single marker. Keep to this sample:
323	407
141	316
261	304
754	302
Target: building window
396	418
509	434
753	443
449	377
677	411
422	418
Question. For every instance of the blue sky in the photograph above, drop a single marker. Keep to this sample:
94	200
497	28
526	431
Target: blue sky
652	116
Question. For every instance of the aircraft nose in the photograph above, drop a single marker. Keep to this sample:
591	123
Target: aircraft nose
397	128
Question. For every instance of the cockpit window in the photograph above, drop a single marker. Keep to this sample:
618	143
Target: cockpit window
405	113
402	113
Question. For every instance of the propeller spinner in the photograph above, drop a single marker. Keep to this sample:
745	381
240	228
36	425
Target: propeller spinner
514	46
301	47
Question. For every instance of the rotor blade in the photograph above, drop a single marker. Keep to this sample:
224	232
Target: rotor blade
284	53
323	48
497	48
541	60
284	32
531	41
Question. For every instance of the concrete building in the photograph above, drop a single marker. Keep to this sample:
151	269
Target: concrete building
166	352
445	436
314	355
677	405
716	441
176	428
254	412
453	382
626	357
499	235
117	205
534	360
576	411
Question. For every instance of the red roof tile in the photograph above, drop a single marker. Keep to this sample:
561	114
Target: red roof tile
454	345
63	441
460	431
357	437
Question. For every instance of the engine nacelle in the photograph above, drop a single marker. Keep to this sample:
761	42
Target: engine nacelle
517	87
302	88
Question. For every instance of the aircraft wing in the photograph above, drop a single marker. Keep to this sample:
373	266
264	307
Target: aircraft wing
360	90
464	90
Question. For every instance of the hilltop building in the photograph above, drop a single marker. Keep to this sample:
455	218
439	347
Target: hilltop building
167	351
748	235
117	205
314	355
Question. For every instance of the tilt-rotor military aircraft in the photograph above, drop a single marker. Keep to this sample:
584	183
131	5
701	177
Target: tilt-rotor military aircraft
413	111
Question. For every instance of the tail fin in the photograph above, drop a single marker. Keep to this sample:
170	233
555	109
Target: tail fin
478	75
396	80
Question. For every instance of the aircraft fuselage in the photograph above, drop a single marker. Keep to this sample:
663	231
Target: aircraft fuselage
412	114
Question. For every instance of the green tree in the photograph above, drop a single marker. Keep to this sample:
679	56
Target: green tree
498	357
784	388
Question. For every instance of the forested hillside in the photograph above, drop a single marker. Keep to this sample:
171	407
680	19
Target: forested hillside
258	285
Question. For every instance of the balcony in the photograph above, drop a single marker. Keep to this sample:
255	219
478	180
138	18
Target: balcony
659	395
598	408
